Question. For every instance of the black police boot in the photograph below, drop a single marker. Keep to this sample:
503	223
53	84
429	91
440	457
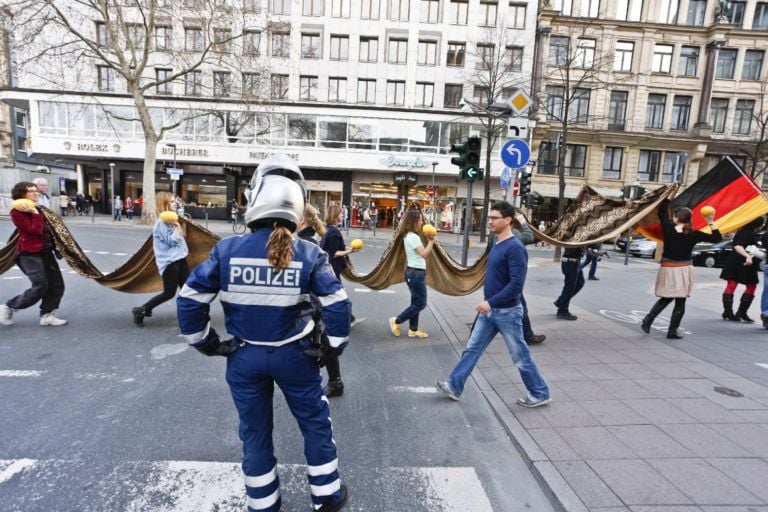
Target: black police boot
728	307
328	506
741	314
334	388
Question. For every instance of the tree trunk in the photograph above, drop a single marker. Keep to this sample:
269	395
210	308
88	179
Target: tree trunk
148	210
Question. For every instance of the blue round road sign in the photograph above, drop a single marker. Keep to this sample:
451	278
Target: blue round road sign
515	153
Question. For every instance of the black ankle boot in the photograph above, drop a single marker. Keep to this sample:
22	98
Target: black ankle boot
138	315
646	325
741	314
657	308
334	388
728	307
674	322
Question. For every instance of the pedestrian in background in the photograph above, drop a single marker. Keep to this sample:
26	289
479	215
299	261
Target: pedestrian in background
591	257
128	207
573	281
42	188
171	252
522	230
36	259
501	312
117	208
764	297
741	268
416	255
674	280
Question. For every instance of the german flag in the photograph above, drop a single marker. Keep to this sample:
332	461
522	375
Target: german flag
734	195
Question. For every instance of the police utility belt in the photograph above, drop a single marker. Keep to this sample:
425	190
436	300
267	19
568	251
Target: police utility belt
306	332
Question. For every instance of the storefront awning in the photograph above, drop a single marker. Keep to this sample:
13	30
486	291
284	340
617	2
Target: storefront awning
571	191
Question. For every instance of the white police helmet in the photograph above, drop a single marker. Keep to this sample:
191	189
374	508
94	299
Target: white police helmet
276	191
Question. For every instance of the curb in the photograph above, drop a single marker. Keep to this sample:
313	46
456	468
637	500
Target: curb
560	494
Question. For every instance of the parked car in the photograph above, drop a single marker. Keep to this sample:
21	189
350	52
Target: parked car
643	248
621	243
712	255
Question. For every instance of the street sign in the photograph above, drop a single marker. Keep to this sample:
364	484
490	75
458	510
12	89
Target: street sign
520	101
174	171
506	175
175	177
517	128
515	153
516	188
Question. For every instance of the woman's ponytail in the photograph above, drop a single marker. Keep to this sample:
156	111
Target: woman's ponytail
280	247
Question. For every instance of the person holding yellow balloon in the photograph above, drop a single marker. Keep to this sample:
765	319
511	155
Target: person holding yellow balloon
415	272
674	280
171	252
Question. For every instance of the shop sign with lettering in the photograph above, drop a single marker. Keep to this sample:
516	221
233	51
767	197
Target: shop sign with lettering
410	163
405	177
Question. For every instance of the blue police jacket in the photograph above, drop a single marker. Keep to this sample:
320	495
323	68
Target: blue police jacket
262	306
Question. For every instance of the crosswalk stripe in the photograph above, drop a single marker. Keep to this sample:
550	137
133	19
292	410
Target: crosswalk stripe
762	365
20	373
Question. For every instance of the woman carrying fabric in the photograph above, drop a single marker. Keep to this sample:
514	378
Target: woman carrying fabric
415	274
264	280
170	256
674	280
35	257
741	268
333	244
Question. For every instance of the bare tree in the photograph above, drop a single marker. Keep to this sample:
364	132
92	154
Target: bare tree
64	44
496	75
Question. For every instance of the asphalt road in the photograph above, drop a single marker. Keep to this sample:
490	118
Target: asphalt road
102	415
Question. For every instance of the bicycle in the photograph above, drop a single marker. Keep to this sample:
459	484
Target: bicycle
239	225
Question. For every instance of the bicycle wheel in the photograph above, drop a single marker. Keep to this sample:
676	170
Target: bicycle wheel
239	227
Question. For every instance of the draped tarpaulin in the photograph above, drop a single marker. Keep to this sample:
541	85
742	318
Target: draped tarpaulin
590	219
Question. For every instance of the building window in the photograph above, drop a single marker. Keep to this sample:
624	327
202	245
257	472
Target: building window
161	77
554	103
612	159
251	42
398	10
339	47
579	108
398	49
480	94
427	53
429	11
453	95
222	40
105	78
668	11
369	49
102	37
251	5
516	16
654	112
279	86
457	12
485	58
135	35
734	11
366	91
21	120
648	170
718	110
590	8
308	88
488	11
689	60
558	50
312	7
696	11
662	58
575	160
280	6
337	89
340	8
726	63
163	38
281	44
425	93
564	7
681	112
222	84
21	144
310	46
193	4
395	92
622	58
742	122
515	58
585	53
251	82
193	83
369	10
617	110
629	10
760	21
456	54
674	167
753	65
193	39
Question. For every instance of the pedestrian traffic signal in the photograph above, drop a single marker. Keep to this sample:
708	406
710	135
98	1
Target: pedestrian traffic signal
525	183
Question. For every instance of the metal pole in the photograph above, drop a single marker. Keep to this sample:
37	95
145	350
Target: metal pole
434	193
174	166
112	190
467	224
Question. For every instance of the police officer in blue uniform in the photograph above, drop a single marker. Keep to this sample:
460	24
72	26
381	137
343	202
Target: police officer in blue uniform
264	281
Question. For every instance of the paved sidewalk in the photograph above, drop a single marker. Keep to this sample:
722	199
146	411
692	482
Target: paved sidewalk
634	425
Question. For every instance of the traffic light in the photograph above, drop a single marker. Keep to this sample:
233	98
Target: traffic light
461	160
532	201
468	160
525	183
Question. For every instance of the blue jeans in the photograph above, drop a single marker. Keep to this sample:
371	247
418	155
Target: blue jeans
417	284
527	329
764	297
591	260
572	283
508	322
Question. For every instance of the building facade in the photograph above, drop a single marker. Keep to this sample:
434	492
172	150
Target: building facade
672	86
365	94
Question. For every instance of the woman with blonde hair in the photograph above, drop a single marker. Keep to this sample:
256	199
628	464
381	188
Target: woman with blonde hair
310	225
170	256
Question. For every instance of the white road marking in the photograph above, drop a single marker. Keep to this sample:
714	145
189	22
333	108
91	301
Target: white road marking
762	365
387	291
20	373
168	349
362	290
93	376
102	252
119	254
14	467
13	277
429	390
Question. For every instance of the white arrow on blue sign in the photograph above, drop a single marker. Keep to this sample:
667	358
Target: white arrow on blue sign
515	153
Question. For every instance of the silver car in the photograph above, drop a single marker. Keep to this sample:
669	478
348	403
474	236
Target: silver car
644	248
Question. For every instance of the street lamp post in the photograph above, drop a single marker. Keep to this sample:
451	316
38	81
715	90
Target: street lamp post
110	200
173	180
434	192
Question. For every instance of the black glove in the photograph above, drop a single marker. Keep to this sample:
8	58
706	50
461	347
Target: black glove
213	346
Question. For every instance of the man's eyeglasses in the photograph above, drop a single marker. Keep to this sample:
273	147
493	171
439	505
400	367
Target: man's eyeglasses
495	217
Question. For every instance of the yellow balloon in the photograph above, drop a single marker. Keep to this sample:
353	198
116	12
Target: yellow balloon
706	211
169	217
356	244
429	230
18	204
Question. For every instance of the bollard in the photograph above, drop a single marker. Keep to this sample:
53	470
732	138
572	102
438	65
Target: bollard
206	218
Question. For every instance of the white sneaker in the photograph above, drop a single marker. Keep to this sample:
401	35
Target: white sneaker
49	319
6	314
